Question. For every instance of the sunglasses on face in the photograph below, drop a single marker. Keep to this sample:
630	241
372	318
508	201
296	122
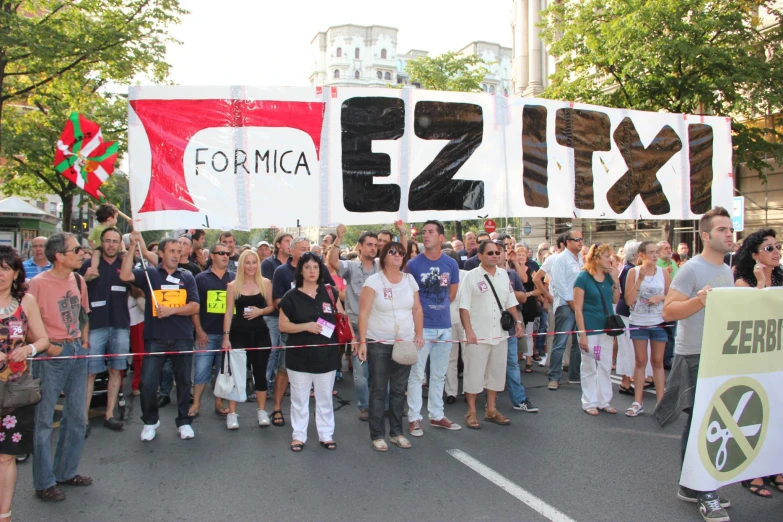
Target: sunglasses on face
75	250
577	239
394	252
220	253
770	248
492	253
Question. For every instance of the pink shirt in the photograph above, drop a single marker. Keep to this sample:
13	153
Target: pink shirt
59	301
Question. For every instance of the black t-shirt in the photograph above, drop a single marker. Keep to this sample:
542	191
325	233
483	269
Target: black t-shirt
212	299
301	308
531	309
190	266
108	296
175	289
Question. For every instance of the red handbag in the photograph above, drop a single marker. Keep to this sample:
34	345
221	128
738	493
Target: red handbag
343	326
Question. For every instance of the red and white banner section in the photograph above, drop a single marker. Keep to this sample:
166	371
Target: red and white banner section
738	408
252	157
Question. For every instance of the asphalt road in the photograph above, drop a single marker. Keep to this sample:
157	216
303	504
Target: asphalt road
567	464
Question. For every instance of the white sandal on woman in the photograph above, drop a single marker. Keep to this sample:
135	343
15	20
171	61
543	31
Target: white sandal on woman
6	515
634	409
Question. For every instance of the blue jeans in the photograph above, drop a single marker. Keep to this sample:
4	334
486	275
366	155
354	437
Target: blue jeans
151	373
361	379
438	354
108	340
203	362
565	320
516	391
68	376
274	333
543	324
167	377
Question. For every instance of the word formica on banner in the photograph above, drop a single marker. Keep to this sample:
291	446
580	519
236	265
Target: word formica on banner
737	405
236	157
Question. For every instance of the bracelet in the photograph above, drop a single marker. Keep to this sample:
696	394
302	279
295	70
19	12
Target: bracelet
226	333
34	350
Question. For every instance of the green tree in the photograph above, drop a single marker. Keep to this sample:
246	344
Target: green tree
98	41
31	134
448	72
682	56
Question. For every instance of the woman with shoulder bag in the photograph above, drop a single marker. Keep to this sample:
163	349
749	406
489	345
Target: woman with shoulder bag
595	290
308	316
20	323
389	310
645	291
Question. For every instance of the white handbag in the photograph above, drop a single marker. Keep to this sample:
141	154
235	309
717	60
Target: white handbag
230	383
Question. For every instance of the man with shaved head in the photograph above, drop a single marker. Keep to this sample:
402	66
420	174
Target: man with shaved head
38	262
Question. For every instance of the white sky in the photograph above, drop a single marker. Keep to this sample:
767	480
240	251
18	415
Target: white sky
267	42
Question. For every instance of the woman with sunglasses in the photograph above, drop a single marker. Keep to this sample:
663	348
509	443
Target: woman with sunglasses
645	290
758	266
595	290
389	310
307	315
248	300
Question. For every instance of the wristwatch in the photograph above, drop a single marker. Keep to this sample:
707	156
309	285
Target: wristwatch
519	322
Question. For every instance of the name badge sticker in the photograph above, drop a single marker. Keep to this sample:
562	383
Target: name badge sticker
327	328
463	258
444	280
174	280
482	286
387	293
97	304
169	287
293	285
116	288
15	330
327	308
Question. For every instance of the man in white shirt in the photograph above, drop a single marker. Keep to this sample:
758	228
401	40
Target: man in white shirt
538	280
565	268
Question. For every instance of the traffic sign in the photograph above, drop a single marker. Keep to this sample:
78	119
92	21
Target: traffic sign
738	214
490	226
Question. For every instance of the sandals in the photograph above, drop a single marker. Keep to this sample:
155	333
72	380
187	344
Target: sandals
379	445
6	515
496	417
609	409
278	419
592	411
296	446
772	481
220	411
193	413
330	444
634	410
627	391
401	442
756	489
76	480
471	421
528	368
52	494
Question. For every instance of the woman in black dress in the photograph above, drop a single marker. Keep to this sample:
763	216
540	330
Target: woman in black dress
307	316
22	335
248	300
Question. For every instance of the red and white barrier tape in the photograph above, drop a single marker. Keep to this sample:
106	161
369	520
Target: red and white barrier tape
186	352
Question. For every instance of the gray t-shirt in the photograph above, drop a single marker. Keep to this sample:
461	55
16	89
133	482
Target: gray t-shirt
692	277
354	274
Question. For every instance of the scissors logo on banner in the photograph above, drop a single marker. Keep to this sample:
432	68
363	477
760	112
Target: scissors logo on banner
735	423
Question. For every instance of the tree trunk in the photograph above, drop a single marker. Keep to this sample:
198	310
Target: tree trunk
67	200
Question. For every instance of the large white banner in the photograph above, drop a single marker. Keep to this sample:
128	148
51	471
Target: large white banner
253	157
737	426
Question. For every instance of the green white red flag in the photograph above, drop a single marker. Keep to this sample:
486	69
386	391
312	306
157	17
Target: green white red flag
83	157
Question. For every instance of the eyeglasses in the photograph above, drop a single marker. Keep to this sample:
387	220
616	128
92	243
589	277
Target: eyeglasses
75	250
770	248
394	252
221	253
111	241
577	239
492	253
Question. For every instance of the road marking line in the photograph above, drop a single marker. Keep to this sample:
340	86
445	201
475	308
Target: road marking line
637	432
550	512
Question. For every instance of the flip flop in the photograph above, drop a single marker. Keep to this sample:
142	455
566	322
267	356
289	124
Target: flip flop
330	444
193	413
297	447
222	412
528	368
592	411
278	419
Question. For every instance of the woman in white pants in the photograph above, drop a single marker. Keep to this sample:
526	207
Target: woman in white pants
307	315
595	290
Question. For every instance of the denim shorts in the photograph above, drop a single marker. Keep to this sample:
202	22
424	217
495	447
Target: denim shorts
653	333
108	341
203	361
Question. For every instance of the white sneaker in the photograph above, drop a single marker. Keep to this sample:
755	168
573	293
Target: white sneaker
231	421
186	432
542	362
263	418
148	432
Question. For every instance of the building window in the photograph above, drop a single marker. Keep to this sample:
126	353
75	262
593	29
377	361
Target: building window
490	88
337	73
387	76
380	75
383	54
356	53
339	52
356	75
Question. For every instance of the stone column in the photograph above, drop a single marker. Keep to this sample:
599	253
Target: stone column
536	81
521	59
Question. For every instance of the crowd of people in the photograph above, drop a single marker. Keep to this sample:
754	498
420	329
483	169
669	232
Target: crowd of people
484	306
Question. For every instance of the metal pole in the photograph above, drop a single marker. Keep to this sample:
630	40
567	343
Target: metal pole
81	220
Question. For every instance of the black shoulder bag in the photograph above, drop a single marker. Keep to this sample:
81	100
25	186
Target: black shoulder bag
506	319
614	323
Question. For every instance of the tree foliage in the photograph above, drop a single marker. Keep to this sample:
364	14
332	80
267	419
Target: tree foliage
682	56
448	72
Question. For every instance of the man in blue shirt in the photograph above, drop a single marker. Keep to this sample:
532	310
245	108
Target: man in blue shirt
38	262
438	277
281	253
167	328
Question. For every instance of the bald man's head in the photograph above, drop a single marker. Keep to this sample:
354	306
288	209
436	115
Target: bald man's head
39	257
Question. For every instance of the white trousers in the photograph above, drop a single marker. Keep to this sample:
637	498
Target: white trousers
526	343
596	372
323	384
452	376
626	357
